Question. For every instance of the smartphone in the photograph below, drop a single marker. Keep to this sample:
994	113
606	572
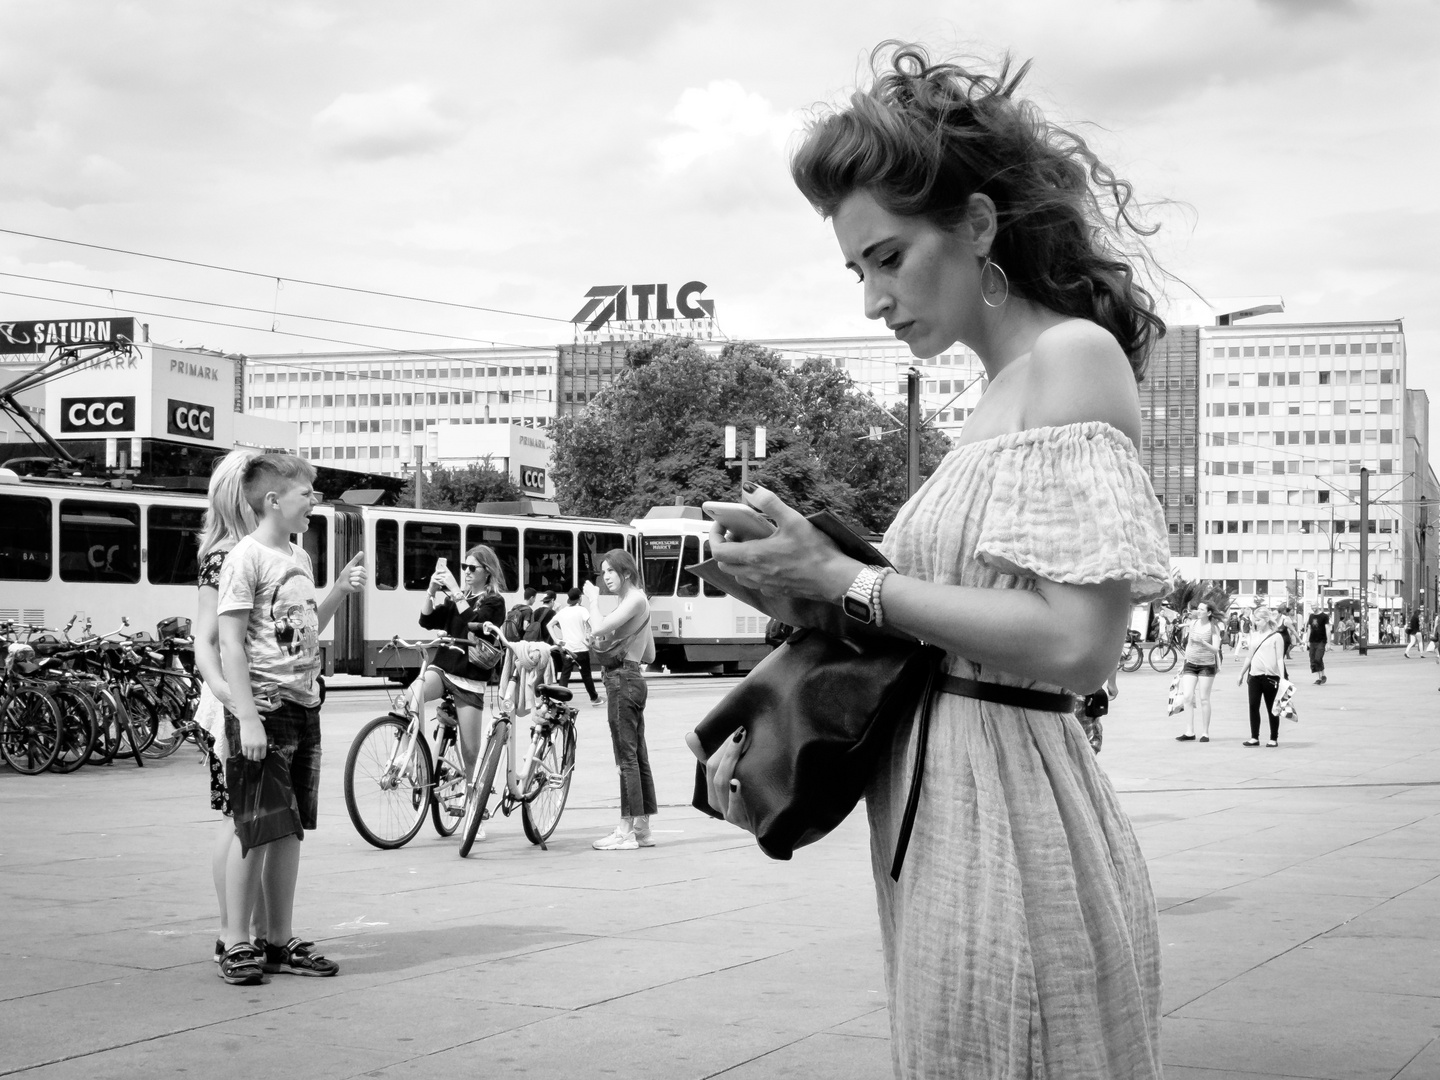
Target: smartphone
739	521
441	564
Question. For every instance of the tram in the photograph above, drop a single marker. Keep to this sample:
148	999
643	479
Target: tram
105	549
696	626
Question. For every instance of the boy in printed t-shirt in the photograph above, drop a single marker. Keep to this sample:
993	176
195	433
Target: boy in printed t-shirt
270	625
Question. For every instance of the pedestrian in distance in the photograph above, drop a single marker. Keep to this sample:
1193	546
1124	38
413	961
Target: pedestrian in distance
270	667
1204	650
1317	633
625	636
1413	640
569	630
228	518
969	218
1263	670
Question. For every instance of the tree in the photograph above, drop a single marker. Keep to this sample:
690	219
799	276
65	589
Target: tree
461	488
656	435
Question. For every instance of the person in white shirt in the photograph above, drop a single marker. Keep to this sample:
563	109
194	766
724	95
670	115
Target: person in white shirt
1264	668
568	630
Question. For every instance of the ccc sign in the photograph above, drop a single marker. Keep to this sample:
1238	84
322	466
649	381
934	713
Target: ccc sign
532	479
192	421
87	415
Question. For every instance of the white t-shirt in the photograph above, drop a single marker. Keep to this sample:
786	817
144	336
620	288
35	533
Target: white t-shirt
568	628
282	635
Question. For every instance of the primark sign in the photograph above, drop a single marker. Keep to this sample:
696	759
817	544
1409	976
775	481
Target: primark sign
37	335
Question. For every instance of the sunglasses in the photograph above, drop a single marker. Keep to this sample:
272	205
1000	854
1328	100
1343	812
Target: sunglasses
472	568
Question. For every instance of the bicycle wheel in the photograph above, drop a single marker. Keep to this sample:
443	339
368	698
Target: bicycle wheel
170	723
109	728
477	794
139	720
30	725
550	785
1131	658
1163	657
387	797
78	731
447	800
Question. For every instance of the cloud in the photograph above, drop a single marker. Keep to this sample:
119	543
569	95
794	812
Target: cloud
399	122
716	120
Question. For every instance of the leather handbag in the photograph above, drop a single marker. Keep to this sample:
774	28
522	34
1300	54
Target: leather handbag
817	713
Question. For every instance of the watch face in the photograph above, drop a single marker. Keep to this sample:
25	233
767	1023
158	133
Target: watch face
856	609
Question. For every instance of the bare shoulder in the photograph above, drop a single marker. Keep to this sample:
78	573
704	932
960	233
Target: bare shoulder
1079	373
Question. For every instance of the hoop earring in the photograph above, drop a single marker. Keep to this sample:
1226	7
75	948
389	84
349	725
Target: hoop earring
989	289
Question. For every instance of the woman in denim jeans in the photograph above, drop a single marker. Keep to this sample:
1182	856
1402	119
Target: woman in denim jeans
627	630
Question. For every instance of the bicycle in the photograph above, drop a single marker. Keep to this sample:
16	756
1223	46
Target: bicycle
1132	656
541	782
1164	656
390	778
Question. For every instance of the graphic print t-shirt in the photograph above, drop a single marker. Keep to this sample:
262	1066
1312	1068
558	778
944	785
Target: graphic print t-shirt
1319	626
282	636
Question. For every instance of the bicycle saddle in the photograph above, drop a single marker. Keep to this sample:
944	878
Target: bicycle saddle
554	692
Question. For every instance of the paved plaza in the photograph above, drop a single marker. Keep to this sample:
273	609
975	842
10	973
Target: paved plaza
1298	891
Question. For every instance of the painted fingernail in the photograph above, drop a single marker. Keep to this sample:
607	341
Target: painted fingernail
734	786
740	735
748	487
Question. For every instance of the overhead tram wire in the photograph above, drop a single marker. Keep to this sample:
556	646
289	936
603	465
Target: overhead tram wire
273	313
280	277
408	353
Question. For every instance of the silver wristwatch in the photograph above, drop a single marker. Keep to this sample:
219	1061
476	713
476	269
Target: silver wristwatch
859	600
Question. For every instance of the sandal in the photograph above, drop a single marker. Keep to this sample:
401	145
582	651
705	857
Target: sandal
240	966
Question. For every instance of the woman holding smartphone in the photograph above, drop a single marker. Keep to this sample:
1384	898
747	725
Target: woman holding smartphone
1021	938
461	610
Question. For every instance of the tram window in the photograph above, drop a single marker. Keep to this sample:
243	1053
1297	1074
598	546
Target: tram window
172	538
99	541
689	584
711	590
316	543
424	543
506	545
593	546
387	553
549	559
24	538
659	564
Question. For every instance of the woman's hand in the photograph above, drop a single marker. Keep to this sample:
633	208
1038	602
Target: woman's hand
723	790
444	581
796	560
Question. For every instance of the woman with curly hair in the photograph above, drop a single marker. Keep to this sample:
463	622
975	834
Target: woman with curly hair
1020	933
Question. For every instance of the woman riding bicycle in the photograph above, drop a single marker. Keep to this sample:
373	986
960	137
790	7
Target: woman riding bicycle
461	611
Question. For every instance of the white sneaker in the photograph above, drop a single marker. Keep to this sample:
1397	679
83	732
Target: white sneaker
644	839
619	840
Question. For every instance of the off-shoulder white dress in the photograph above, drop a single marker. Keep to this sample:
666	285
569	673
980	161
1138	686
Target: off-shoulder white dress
1020	940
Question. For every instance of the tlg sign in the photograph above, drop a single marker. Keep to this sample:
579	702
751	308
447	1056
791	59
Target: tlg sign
642	303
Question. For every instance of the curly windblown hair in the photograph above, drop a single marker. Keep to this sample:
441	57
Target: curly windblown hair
925	137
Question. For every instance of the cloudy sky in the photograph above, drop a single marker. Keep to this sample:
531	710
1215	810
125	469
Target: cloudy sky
510	156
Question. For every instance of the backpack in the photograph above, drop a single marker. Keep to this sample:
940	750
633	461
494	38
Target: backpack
517	622
536	630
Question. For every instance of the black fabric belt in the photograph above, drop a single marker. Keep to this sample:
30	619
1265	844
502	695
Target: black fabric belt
1015	696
